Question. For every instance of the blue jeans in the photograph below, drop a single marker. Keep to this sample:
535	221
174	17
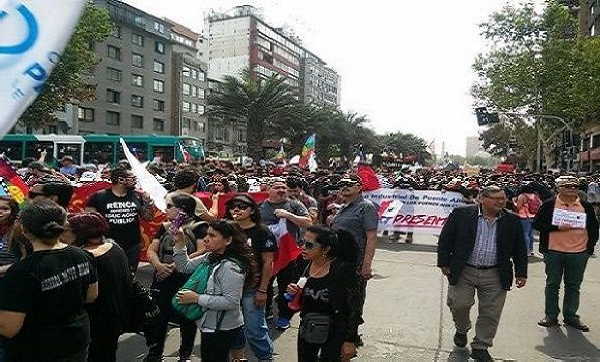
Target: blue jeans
528	233
255	327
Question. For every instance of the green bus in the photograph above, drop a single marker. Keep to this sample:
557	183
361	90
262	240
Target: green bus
99	147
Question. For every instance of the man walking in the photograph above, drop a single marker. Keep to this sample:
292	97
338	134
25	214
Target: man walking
567	247
475	249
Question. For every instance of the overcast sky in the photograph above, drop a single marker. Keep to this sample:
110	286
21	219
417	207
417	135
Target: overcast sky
405	64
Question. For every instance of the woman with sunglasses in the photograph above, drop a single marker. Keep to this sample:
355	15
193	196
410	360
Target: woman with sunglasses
244	211
328	297
167	280
232	265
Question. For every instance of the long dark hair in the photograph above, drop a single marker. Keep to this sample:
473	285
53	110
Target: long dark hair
44	219
238	250
14	208
342	244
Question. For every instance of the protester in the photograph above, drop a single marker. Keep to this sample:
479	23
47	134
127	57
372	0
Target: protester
111	309
123	207
184	182
328	299
475	250
244	211
279	206
42	297
52	188
9	210
167	280
232	266
566	248
68	166
527	205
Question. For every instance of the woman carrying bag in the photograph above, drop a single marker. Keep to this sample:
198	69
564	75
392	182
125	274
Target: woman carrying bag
213	294
329	313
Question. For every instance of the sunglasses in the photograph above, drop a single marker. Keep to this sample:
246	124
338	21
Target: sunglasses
309	245
239	206
342	185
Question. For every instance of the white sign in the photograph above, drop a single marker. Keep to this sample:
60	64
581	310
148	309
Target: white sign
33	34
417	211
576	220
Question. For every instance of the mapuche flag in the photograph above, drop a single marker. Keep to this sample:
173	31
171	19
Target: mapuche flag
308	150
15	186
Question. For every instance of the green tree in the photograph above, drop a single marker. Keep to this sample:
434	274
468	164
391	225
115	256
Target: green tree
405	144
67	83
266	105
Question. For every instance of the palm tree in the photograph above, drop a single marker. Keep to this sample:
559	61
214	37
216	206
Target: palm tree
264	104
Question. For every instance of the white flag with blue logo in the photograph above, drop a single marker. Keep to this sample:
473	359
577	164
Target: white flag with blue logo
33	35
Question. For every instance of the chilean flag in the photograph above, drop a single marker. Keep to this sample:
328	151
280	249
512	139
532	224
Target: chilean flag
288	248
184	153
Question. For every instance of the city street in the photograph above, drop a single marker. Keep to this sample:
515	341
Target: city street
407	318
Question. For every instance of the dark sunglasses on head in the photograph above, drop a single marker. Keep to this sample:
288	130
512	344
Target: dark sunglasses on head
309	245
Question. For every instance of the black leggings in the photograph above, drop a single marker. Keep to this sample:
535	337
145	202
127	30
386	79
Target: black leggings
215	346
329	351
105	332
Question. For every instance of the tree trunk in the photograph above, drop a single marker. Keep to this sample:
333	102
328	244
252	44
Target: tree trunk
255	138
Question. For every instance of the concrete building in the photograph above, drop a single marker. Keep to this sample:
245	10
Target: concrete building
188	85
241	39
475	147
133	78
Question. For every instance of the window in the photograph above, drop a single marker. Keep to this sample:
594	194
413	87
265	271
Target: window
200	109
85	114
186	89
187	106
194	74
194	91
159	67
140	21
116	32
201	93
114	52
186	123
113	74
113	118
159	47
159	124
194	108
199	126
137	101
159	86
186	71
137	39
112	96
137	80
596	141
158	105
137	60
159	27
137	121
201	76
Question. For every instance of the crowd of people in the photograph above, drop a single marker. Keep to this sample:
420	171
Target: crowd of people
67	280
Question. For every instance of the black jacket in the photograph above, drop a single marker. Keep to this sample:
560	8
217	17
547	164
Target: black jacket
457	241
543	224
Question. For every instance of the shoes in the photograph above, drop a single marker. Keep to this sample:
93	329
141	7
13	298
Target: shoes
481	355
460	339
184	359
269	315
576	323
531	253
282	323
548	322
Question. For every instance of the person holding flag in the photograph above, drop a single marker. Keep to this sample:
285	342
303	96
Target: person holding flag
308	152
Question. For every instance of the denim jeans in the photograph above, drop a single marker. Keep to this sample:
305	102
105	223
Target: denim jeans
255	327
528	232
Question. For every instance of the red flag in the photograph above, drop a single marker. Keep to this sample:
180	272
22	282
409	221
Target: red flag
8	172
370	181
288	249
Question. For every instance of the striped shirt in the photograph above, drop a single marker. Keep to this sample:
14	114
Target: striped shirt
484	252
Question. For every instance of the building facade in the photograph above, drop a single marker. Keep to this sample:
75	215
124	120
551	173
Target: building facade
475	147
320	84
132	80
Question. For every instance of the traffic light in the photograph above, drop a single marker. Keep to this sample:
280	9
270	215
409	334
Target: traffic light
484	117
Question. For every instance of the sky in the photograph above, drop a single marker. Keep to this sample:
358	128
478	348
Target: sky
404	64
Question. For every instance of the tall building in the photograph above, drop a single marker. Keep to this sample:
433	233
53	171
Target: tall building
132	80
475	147
241	39
189	84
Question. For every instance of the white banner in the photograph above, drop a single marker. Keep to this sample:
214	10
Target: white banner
33	34
145	180
417	211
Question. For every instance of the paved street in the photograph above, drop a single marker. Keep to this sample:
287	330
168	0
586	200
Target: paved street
407	319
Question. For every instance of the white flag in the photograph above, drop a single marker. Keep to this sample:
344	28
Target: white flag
146	181
33	35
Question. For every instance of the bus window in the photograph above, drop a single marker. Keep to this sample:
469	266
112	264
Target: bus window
166	153
12	149
139	150
98	151
69	149
34	149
